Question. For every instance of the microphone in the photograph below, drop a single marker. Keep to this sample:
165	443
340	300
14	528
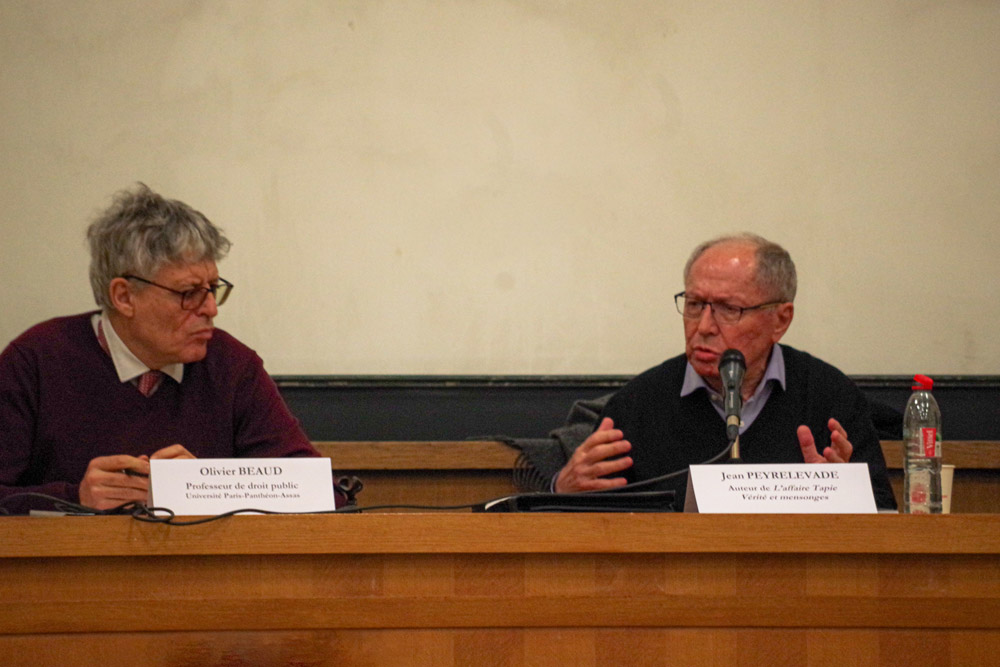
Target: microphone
732	366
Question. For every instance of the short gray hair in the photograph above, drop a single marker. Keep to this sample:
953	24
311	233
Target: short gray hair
141	231
775	268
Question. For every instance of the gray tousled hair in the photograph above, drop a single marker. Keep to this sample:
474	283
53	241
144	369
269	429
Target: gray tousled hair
775	268
141	232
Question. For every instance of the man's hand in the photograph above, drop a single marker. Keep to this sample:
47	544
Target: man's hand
106	484
587	467
173	452
111	481
840	448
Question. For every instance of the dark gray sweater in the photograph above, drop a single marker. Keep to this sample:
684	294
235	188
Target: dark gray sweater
669	432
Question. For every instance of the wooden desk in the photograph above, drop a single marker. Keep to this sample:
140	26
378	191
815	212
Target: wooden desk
452	473
502	589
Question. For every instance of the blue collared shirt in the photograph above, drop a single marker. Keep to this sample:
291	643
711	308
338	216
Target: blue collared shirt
773	374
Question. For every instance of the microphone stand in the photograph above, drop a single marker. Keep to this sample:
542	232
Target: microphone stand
734	451
732	366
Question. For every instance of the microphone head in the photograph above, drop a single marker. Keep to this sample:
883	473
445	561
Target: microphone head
732	365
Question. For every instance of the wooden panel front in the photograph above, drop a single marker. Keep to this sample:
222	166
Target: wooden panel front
501	589
542	647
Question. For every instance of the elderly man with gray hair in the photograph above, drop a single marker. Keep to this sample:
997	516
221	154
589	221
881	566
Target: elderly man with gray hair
87	400
738	295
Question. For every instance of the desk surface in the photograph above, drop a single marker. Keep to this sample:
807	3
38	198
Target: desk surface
377	533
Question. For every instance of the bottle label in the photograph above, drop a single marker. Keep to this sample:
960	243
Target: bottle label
929	440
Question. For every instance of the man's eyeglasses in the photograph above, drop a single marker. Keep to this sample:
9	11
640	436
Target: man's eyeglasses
726	313
192	299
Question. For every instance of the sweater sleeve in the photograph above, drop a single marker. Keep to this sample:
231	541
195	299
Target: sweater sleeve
265	427
831	393
868	449
18	411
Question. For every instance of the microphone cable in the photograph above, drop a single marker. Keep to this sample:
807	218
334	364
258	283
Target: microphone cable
667	476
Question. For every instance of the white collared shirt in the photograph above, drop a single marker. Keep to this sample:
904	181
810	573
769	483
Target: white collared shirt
127	365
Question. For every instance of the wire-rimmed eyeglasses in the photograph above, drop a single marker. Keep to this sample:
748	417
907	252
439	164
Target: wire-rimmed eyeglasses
726	313
192	299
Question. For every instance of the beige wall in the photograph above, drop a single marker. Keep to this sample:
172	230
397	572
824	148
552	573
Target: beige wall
512	187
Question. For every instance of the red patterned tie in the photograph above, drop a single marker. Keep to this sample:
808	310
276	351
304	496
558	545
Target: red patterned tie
148	382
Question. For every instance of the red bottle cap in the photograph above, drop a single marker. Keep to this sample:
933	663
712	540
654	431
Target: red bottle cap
922	382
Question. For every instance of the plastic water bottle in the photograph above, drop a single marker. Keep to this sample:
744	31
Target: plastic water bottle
922	450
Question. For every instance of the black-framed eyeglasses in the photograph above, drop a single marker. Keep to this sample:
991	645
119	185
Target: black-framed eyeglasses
193	298
726	313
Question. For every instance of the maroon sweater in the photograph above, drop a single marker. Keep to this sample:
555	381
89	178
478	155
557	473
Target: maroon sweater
62	404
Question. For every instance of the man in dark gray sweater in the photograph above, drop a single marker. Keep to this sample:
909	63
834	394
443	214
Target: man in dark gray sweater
738	294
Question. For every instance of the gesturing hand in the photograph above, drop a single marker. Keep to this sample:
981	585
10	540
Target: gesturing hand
840	448
587	468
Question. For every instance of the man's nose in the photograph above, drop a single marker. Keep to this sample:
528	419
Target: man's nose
707	323
209	307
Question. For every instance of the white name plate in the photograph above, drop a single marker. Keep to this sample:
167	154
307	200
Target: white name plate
780	488
214	486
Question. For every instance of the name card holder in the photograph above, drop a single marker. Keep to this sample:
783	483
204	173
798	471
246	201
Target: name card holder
207	487
780	488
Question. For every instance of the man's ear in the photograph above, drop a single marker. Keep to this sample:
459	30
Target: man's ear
784	312
121	297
